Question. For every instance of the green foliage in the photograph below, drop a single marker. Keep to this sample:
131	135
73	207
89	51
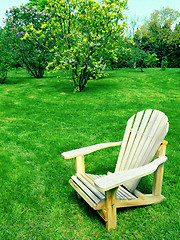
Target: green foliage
130	54
28	38
157	34
150	59
5	57
174	48
3	74
40	4
164	63
140	58
86	35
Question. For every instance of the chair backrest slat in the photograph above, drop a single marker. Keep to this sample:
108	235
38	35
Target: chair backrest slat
138	134
157	142
140	144
125	140
133	184
148	138
131	139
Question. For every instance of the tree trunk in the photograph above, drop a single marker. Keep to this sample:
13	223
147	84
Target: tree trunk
3	78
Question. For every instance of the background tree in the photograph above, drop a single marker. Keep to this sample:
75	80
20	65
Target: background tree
174	48
156	34
40	4
29	40
5	56
134	22
140	58
86	32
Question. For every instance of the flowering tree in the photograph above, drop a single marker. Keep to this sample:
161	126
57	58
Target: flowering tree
40	4
29	41
86	34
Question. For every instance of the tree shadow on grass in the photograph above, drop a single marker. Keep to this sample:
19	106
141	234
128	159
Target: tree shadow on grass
17	80
93	215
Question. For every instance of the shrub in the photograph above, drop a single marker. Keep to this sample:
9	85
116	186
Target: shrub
86	32
28	38
5	58
164	63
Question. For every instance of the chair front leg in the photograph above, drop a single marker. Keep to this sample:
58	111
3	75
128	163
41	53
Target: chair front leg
80	166
111	208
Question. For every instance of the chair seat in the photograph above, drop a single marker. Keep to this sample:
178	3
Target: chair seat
122	192
84	185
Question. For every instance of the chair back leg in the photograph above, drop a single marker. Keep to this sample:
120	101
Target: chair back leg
158	175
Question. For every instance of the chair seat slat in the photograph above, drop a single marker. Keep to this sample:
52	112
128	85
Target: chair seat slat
99	194
85	189
94	194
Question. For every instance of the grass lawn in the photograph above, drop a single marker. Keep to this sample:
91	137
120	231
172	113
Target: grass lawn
40	118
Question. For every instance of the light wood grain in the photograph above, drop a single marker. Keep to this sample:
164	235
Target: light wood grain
158	175
131	186
147	199
83	195
79	163
91	187
111	208
124	142
126	161
86	150
143	137
86	190
137	140
116	179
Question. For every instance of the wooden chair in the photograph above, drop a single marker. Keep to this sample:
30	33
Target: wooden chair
143	138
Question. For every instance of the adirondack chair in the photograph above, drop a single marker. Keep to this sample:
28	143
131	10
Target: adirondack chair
143	138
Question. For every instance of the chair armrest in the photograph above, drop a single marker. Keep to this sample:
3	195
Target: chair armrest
86	150
116	179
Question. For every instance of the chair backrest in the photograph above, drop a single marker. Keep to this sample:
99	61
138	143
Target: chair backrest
142	138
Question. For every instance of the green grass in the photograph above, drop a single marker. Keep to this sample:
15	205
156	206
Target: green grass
40	118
